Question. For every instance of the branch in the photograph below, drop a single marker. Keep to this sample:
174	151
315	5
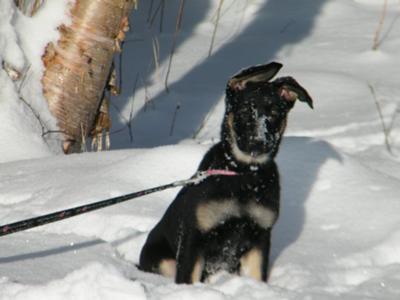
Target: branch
385	129
221	2
380	26
177	29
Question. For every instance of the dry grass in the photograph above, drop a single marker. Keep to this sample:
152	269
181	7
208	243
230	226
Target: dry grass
176	33
377	39
385	129
221	2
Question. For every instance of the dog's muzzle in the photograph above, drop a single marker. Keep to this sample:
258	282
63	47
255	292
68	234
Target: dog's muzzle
254	147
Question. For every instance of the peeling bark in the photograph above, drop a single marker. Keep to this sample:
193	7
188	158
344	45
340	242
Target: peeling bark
78	66
29	7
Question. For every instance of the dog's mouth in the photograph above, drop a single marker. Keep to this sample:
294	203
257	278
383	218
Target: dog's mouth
255	153
251	155
255	148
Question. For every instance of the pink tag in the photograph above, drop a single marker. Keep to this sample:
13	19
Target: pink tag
221	172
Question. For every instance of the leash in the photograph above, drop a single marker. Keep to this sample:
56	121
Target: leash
78	210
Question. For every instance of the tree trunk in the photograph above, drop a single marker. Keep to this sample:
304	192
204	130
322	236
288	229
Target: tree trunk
78	66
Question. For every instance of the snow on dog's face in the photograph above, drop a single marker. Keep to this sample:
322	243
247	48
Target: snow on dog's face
256	112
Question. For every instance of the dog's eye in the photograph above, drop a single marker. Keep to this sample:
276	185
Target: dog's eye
274	113
273	116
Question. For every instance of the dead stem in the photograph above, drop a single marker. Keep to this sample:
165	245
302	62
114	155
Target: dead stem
221	2
171	131
378	31
177	29
385	130
156	55
162	15
150	11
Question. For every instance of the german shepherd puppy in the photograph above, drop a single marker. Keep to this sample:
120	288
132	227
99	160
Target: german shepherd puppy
225	222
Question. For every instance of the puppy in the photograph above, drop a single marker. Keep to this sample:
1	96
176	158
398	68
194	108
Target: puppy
225	222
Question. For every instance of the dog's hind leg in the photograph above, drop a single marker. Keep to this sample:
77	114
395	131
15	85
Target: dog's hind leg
167	267
157	256
190	263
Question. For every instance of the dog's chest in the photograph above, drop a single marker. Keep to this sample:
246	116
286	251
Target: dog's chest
213	213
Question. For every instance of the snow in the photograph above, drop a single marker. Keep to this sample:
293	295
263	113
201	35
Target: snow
338	234
22	43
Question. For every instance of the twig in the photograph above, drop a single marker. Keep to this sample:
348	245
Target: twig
24	76
393	119
385	130
221	2
390	28
147	98
36	115
117	130
205	120
177	29
380	26
241	20
200	128
155	13
44	129
171	131
120	67
287	25
228	8
52	131
128	122
162	15
150	11
156	55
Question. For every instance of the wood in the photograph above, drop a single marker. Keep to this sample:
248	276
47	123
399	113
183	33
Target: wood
78	66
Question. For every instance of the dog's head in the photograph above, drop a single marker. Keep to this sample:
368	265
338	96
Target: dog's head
256	112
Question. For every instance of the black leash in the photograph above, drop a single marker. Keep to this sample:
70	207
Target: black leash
78	210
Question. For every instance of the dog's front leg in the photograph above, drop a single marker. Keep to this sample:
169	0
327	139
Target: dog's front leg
254	263
266	246
189	265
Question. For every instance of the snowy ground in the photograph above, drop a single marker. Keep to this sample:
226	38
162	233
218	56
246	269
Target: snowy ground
338	236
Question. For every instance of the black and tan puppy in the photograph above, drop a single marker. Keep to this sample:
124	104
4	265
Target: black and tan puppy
225	222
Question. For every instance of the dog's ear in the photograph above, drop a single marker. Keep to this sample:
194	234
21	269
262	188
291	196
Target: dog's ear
290	90
260	73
